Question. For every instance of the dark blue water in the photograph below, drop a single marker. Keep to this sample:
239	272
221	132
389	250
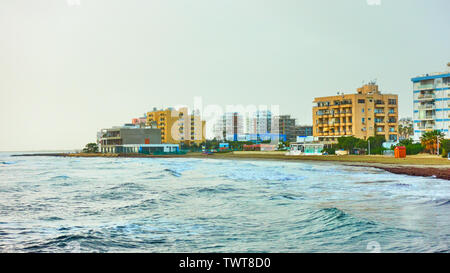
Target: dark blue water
52	204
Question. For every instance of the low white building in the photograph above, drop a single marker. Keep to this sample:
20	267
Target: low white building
303	148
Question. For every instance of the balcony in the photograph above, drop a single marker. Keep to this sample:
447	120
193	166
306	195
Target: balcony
426	87
426	97
427	107
427	117
426	127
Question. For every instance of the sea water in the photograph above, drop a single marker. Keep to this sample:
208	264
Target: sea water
55	204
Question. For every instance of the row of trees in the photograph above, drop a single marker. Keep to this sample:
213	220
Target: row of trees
356	145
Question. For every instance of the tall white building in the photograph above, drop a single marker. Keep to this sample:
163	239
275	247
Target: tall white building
259	125
230	127
432	103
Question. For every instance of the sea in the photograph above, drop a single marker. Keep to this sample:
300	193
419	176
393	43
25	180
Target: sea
56	204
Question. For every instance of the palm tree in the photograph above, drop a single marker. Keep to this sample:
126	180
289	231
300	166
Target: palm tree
405	131
429	140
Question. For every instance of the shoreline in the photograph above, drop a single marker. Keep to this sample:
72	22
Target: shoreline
424	167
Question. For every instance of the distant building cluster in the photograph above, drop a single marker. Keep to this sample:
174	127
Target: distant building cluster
258	126
159	131
367	112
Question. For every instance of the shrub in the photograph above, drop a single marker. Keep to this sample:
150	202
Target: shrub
413	149
330	150
445	146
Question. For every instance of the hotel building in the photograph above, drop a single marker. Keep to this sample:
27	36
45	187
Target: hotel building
177	126
432	103
364	114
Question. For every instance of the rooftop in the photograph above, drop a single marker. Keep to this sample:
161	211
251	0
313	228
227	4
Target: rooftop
432	75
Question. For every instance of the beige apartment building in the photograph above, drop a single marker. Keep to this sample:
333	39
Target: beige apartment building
177	126
364	114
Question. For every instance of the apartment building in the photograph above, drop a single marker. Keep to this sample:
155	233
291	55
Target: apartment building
366	113
432	103
177	126
259	125
230	127
286	127
140	121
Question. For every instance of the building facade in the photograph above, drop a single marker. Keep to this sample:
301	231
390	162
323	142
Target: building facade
259	125
286	127
432	103
364	114
114	139
303	131
230	127
177	126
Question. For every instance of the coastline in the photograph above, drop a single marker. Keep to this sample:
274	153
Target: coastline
427	166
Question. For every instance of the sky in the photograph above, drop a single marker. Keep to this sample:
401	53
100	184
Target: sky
71	67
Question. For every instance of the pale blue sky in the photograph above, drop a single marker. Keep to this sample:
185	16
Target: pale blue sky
69	70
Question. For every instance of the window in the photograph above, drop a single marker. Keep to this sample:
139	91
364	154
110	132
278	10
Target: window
393	101
361	101
362	110
363	120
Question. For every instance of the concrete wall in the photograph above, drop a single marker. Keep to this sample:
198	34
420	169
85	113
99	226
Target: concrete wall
138	136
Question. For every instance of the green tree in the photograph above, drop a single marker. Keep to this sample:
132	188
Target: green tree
90	148
405	131
347	143
405	142
445	146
